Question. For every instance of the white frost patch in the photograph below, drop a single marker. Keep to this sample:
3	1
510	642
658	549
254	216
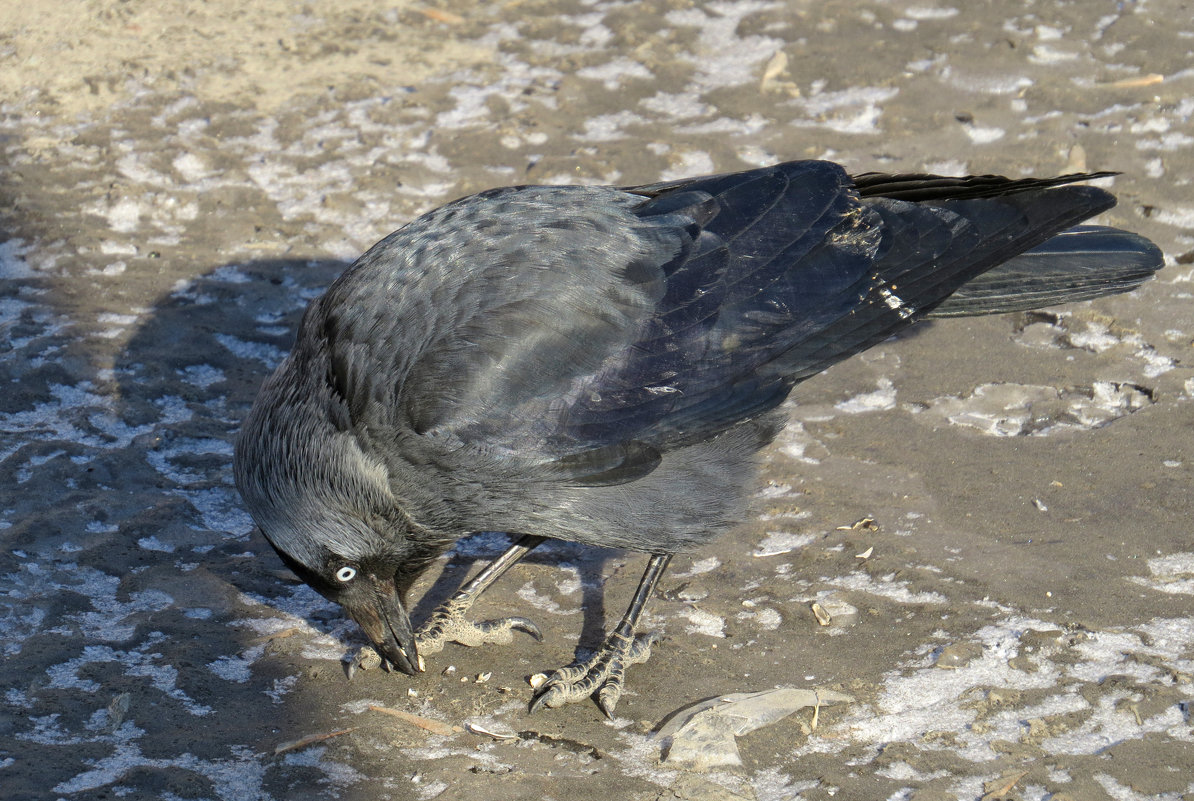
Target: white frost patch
12	262
219	509
141	661
927	699
1180	216
705	623
110	248
1096	338
983	136
236	668
989	84
281	688
432	789
111	619
528	593
75	409
775	489
609	127
876	401
767	619
338	774
154	544
885	587
795	441
269	355
613	74
947	167
1009	410
123	215
202	375
854	110
240	777
1110	724
191	167
681	106
688	164
919	698
1154	363
1048	55
568	581
1108	401
1173	574
781	542
930	12
162	457
699	567
723	57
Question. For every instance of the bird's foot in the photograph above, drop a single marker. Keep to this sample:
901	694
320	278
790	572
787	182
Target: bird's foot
448	624
600	676
366	658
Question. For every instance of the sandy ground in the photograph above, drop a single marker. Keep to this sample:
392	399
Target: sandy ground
179	179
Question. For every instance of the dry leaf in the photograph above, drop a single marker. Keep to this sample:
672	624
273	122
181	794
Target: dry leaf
776	67
702	735
1001	787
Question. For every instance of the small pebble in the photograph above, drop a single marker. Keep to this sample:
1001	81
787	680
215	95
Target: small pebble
959	655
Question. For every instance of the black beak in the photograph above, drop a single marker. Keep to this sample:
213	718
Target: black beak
387	626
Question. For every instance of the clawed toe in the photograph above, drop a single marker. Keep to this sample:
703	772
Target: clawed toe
367	658
448	624
600	677
364	659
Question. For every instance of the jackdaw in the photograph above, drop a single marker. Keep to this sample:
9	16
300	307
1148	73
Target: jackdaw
601	365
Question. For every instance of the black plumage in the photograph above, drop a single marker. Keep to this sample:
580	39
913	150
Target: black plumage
600	365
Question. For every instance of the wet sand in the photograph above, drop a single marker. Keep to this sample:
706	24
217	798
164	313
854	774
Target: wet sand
180	179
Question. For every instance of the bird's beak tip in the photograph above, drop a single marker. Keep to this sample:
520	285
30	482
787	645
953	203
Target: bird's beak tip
388	628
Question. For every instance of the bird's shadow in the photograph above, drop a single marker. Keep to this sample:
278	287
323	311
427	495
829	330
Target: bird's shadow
216	336
187	376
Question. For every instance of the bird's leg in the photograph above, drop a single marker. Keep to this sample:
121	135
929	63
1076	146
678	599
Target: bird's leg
448	624
601	675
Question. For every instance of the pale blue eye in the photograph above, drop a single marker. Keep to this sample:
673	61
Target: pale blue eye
346	573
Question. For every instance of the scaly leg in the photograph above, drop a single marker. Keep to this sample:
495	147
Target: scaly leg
448	624
602	674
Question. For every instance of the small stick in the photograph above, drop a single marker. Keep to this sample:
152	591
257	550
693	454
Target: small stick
427	724
303	742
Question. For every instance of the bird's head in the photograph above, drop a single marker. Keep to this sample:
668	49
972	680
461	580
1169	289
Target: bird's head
327	509
370	585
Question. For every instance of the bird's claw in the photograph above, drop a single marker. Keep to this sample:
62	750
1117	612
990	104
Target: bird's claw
448	624
599	677
365	659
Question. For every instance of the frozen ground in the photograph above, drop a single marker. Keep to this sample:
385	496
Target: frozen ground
179	179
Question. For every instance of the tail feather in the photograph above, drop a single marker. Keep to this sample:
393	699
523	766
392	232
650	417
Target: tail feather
1084	262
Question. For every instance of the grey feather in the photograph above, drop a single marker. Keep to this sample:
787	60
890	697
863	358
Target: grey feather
601	365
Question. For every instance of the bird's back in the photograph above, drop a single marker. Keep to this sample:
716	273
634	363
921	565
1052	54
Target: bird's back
543	348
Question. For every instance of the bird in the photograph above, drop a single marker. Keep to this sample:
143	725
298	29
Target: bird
602	365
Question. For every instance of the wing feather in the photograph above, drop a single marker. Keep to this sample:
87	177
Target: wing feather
579	333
